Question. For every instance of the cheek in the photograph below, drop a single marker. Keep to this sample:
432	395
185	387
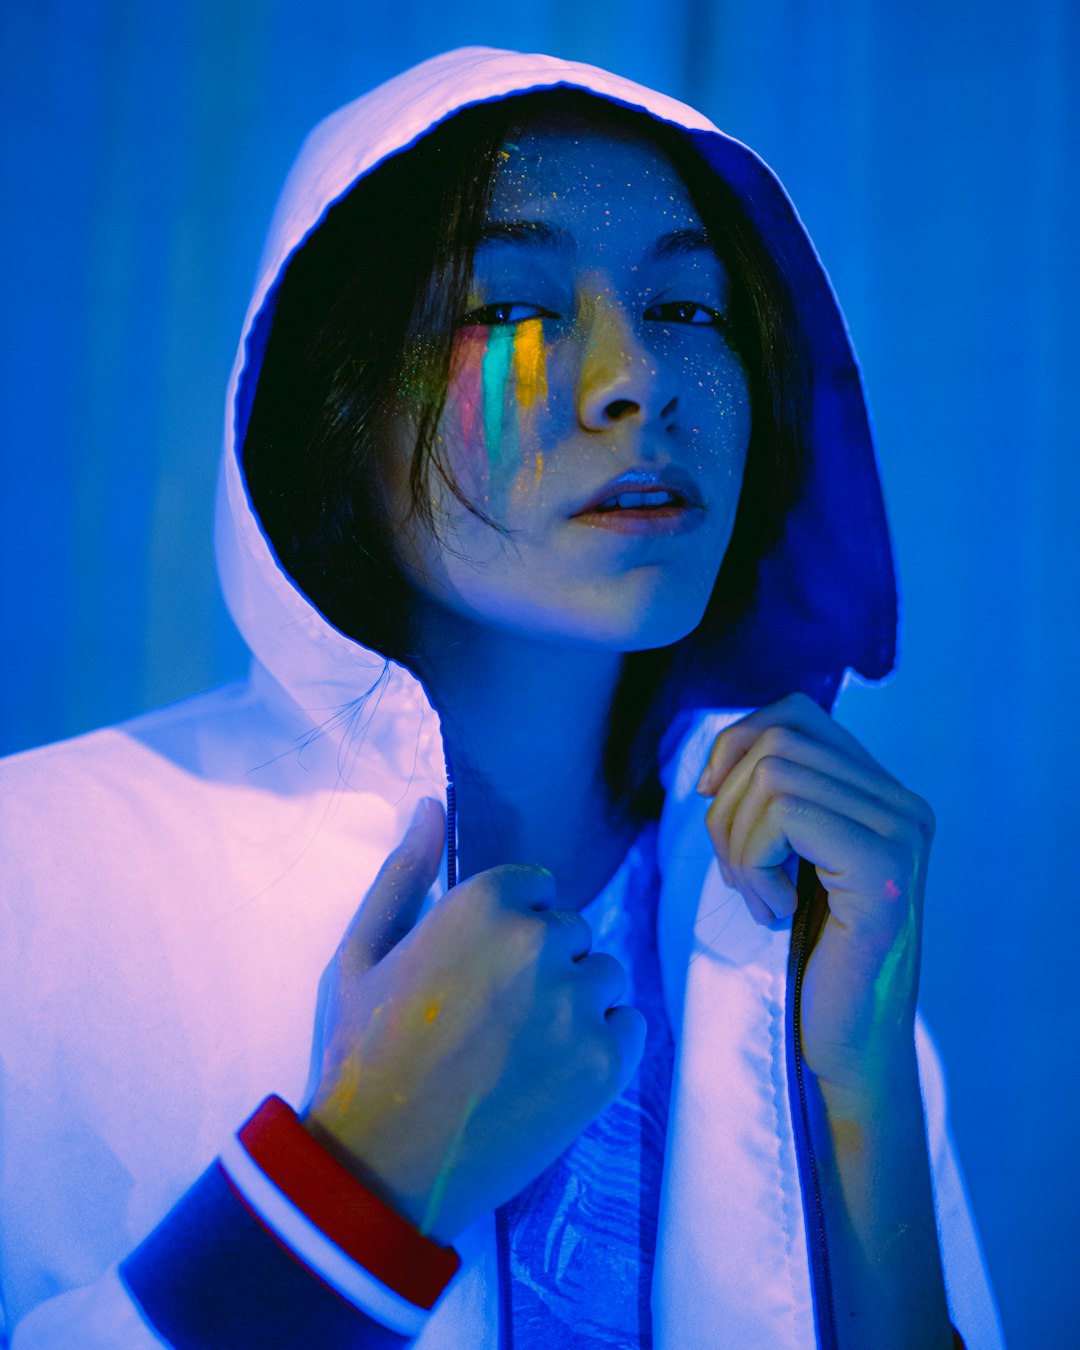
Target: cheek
499	383
719	415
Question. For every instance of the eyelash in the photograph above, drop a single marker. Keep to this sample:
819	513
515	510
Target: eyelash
486	316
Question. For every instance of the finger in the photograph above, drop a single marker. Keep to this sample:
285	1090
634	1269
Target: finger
796	712
627	1027
604	977
773	775
871	880
521	886
785	743
390	908
569	935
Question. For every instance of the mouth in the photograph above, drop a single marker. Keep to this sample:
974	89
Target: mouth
645	502
672	517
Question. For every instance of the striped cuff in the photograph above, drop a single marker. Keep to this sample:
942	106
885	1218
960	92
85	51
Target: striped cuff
277	1245
212	1277
360	1246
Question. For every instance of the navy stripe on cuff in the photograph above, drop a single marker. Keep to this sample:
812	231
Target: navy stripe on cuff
212	1277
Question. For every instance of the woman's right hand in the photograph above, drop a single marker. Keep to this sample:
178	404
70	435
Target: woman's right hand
461	1055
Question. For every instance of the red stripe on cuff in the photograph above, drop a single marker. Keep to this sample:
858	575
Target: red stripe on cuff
367	1230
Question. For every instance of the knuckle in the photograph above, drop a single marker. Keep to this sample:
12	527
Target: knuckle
607	971
787	802
925	819
770	772
778	740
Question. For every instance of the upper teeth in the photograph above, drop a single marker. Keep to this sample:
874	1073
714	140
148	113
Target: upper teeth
649	497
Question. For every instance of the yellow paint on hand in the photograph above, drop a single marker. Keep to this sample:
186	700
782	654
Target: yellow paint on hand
346	1087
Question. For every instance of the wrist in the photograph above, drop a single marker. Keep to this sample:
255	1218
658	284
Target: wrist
350	1211
367	1173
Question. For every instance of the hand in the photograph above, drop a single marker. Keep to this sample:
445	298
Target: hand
787	780
462	1054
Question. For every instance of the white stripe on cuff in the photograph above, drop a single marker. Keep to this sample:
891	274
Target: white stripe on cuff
315	1249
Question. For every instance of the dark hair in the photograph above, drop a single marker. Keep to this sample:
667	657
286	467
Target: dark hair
343	358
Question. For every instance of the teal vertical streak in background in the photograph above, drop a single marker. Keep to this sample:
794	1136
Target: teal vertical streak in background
931	149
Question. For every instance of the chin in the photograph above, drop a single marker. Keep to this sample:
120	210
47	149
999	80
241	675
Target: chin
621	632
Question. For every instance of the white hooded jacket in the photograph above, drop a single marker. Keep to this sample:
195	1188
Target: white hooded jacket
174	887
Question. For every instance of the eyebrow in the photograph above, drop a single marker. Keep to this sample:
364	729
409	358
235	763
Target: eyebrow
538	234
679	243
532	234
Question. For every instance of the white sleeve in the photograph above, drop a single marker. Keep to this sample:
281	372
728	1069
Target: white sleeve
967	1282
100	1316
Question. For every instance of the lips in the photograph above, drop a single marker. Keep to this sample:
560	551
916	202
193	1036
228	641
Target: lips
644	492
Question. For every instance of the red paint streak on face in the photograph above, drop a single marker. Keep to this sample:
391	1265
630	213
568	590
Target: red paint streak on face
466	386
892	890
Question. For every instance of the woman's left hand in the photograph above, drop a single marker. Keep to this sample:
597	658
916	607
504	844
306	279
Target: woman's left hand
788	779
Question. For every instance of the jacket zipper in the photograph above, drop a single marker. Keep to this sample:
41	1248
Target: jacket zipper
810	915
451	822
502	1230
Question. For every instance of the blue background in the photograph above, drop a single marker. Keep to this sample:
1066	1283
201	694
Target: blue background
932	149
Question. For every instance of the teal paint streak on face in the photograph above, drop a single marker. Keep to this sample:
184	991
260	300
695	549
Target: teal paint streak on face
498	358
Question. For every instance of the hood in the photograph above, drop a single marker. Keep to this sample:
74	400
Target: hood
826	599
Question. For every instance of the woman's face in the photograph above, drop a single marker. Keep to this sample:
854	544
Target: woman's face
595	408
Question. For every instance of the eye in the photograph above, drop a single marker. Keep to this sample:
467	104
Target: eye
503	312
684	311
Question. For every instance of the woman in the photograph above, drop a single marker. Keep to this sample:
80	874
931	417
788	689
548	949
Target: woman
546	461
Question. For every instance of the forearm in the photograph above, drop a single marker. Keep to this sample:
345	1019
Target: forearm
888	1286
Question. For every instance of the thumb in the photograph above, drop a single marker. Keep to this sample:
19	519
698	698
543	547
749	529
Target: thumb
390	907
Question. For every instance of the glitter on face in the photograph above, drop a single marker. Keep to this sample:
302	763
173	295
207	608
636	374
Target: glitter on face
528	427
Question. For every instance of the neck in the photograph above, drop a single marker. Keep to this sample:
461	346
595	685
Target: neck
525	724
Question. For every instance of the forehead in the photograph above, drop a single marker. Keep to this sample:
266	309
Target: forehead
591	179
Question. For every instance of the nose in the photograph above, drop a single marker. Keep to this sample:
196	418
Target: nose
621	381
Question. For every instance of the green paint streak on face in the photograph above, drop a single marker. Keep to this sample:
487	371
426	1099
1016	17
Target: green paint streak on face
498	359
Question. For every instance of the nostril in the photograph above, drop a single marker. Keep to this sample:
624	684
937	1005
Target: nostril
619	408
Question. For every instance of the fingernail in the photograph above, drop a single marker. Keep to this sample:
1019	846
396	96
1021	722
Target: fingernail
701	789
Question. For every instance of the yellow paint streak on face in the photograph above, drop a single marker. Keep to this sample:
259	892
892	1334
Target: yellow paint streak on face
431	1012
530	366
539	466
